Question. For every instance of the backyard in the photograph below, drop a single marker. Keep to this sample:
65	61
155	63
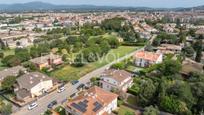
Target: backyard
123	110
69	72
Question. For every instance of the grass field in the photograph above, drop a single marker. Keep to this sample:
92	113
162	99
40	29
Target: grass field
68	72
123	110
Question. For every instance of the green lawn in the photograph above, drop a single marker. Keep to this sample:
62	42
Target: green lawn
132	100
123	110
68	72
9	52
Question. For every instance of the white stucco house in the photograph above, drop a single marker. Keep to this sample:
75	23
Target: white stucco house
32	85
113	79
94	101
145	59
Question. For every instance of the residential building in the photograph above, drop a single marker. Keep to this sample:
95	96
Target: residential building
47	61
94	101
169	49
32	85
145	59
113	79
13	71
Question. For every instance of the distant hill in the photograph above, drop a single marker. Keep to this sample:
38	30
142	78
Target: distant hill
42	6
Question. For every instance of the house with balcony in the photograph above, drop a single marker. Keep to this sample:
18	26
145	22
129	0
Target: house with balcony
169	49
32	85
113	79
47	61
145	58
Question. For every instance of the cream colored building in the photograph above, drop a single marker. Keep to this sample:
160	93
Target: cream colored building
32	85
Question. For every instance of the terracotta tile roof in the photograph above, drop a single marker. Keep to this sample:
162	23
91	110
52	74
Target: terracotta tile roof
118	75
91	97
151	56
171	46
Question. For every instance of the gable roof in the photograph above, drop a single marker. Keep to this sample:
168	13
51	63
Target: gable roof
118	75
29	80
13	71
44	59
92	101
151	56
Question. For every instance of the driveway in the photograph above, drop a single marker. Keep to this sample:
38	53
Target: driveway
70	89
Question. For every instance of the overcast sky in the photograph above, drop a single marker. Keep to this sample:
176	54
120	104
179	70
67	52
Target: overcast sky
146	3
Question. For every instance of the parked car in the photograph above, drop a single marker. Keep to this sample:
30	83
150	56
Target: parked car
74	82
32	106
61	89
73	95
53	103
81	86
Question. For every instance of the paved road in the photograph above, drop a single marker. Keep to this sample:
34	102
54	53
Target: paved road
70	89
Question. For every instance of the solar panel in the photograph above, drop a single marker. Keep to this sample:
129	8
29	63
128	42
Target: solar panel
78	107
84	105
97	106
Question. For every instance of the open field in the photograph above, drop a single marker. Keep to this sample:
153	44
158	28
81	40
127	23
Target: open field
123	110
68	72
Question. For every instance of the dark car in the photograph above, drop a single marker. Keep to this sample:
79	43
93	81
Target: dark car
53	103
74	82
81	86
72	95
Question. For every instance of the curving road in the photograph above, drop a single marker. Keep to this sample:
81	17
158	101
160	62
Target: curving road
70	89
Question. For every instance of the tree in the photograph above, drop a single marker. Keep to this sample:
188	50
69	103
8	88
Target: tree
1	54
34	52
172	105
22	54
5	109
156	42
169	67
198	47
43	48
8	82
151	111
119	65
114	43
30	66
147	90
105	47
79	60
192	32
11	61
188	51
95	81
182	91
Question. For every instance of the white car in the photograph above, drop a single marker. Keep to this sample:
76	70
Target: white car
61	89
32	106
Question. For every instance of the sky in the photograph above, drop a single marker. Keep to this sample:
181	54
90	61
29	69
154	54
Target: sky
136	3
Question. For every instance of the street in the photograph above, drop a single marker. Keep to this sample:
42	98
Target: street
70	89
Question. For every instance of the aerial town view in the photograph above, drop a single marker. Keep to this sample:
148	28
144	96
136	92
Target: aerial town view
102	57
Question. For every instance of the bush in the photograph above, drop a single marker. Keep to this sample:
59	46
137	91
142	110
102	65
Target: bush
132	91
119	65
120	102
